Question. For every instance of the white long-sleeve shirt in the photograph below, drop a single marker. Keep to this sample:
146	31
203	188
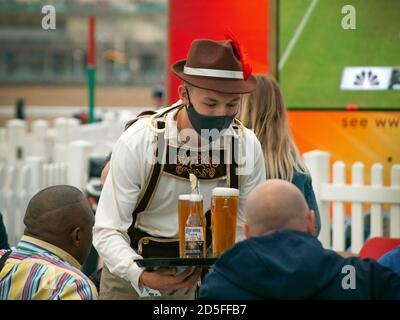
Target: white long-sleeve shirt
130	167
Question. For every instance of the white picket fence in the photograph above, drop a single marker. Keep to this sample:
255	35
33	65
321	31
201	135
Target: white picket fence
357	193
52	143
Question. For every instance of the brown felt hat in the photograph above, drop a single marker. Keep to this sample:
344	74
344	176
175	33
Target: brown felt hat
217	66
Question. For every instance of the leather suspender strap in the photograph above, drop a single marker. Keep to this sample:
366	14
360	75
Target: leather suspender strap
233	176
155	173
157	166
153	179
4	258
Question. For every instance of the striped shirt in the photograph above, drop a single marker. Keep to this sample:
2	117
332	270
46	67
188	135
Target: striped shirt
41	271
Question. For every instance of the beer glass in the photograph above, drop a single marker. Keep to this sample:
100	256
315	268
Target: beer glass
188	203
224	206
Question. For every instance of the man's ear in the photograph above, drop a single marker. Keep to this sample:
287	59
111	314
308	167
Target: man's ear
183	95
246	230
311	222
76	236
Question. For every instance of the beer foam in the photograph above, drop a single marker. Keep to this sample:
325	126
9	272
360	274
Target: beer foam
184	197
191	197
225	192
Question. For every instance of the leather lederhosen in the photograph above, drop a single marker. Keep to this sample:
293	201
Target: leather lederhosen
147	245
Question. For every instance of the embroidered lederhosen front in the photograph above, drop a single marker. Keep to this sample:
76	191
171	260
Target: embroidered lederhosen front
175	161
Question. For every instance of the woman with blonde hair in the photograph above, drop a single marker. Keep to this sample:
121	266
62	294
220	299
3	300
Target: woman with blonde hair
264	112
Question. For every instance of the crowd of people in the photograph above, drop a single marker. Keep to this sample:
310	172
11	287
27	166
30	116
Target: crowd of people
240	119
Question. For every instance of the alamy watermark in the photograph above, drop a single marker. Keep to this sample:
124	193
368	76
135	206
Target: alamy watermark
349	280
49	20
349	20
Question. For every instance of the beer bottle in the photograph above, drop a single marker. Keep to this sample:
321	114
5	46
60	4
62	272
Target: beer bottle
195	235
195	227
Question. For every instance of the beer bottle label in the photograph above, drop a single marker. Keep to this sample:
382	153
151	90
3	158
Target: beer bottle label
194	241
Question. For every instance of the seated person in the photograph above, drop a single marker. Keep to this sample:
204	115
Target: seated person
57	239
281	259
3	235
391	260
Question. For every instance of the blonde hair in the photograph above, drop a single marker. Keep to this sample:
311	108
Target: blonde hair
264	112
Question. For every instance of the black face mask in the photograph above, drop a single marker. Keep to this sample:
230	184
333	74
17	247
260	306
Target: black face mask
200	121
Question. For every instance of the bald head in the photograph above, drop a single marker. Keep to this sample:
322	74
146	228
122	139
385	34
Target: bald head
277	205
61	216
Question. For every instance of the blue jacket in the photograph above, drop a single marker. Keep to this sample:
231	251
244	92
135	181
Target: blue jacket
392	260
304	183
294	265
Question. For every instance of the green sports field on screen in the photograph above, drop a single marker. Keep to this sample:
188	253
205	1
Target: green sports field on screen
310	74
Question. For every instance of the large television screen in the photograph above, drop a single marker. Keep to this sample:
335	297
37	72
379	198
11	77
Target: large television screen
335	54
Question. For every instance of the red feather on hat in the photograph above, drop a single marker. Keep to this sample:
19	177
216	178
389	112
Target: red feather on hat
247	69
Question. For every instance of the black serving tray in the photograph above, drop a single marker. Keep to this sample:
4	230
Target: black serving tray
151	263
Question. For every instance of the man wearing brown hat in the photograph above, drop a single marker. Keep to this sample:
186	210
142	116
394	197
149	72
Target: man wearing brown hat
137	212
